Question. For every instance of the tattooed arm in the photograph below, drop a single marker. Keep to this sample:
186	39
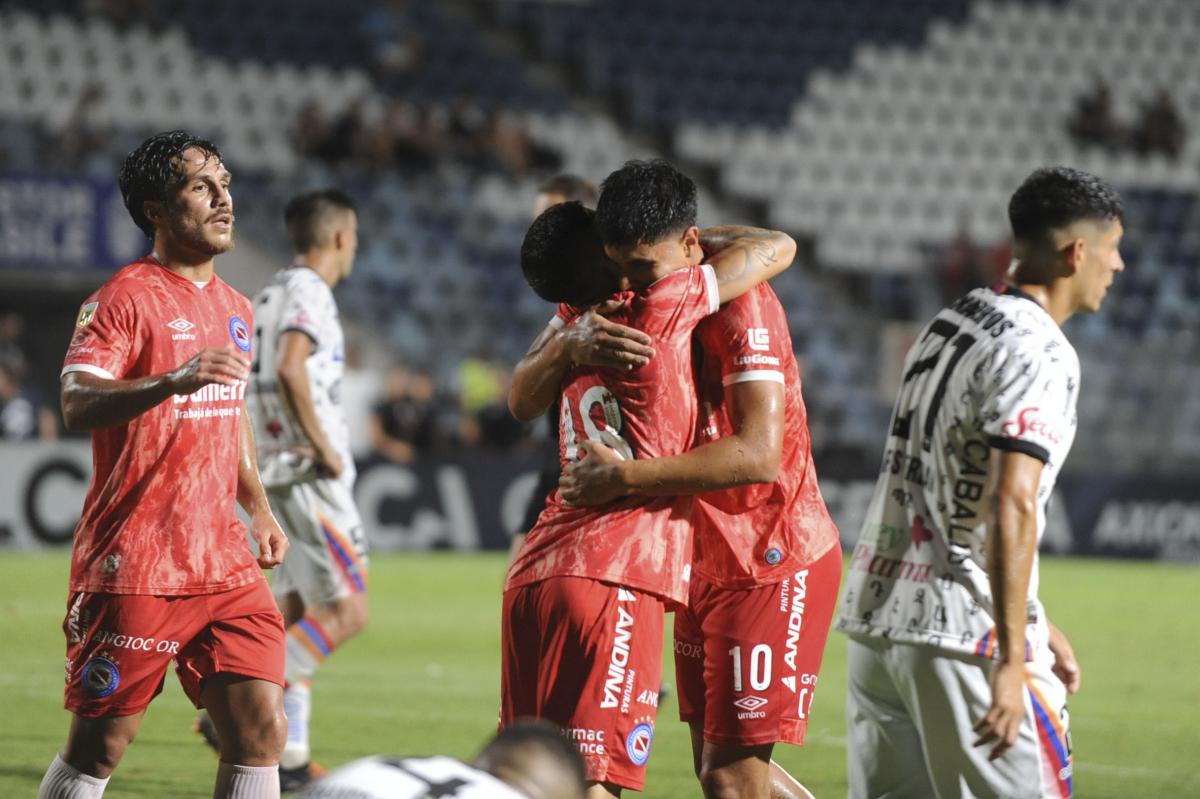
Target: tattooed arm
743	257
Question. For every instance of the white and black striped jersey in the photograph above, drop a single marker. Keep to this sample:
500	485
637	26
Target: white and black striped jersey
408	778
298	299
992	371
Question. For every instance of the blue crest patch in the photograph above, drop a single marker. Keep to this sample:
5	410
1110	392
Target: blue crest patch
100	676
240	333
637	745
773	556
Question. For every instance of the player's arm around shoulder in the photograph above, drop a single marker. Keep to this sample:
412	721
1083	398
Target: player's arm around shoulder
588	340
750	455
742	257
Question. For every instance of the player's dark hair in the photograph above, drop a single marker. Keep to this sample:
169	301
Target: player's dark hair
572	188
559	249
504	752
152	170
307	216
1054	197
644	202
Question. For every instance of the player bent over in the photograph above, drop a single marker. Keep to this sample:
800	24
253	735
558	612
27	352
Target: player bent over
584	603
766	566
160	570
950	649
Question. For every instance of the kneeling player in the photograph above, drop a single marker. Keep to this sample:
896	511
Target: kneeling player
767	564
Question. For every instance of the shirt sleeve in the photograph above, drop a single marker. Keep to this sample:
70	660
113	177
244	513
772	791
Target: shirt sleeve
1026	403
106	335
682	300
563	316
750	339
303	306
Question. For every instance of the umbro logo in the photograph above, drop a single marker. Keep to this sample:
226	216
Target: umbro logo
182	328
751	702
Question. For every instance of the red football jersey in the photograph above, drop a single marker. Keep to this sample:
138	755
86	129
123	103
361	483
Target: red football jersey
636	542
757	534
159	516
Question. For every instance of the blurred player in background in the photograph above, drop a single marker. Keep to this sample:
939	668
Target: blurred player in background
161	569
529	760
766	565
584	603
950	649
304	453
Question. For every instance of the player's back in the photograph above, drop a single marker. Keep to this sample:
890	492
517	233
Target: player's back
642	543
757	534
992	371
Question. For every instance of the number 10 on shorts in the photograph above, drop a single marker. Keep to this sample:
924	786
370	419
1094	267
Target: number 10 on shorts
760	668
760	675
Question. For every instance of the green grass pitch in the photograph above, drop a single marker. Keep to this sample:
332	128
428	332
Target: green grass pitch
423	679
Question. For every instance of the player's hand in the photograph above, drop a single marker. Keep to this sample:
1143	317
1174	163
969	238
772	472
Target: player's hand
1002	724
329	463
594	341
272	543
226	367
593	479
1066	667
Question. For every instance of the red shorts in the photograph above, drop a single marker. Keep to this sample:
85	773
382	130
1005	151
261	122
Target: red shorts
119	645
586	655
747	660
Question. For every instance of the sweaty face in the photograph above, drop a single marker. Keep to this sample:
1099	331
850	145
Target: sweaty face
199	214
1101	262
645	263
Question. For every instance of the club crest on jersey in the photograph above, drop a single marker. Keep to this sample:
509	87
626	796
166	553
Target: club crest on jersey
100	676
637	744
773	556
240	333
86	314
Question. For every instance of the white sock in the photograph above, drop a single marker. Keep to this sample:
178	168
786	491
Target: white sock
63	781
246	782
297	704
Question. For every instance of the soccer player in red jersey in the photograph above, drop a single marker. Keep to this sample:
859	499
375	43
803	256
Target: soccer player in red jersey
766	566
584	602
161	569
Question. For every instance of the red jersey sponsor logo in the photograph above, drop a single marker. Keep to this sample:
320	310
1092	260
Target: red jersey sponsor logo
1028	421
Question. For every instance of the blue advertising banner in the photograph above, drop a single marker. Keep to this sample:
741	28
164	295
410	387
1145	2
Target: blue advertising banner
477	501
64	224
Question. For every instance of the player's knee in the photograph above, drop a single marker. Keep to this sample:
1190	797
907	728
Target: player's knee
724	783
98	753
258	737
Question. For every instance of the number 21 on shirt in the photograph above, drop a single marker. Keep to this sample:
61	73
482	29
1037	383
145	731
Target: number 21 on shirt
600	416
